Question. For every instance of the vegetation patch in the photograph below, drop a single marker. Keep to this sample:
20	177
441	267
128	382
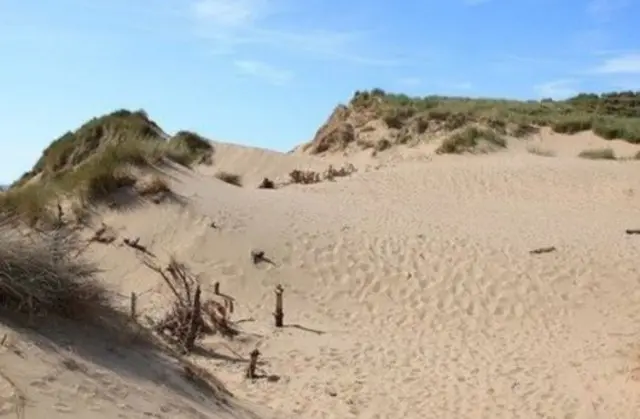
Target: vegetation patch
472	140
609	115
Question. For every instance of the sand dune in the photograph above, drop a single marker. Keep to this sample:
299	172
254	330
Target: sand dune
410	291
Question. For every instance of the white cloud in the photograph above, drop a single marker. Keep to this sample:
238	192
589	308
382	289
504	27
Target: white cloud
605	9
228	13
265	71
557	89
623	64
233	24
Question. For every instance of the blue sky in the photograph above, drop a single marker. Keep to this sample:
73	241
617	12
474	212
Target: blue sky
269	72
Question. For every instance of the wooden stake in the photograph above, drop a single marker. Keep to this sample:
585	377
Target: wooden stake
279	314
253	362
194	325
216	288
134	306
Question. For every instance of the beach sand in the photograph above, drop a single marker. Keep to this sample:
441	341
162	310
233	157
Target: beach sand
410	290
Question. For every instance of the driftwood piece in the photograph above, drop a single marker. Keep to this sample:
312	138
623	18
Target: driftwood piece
543	250
633	231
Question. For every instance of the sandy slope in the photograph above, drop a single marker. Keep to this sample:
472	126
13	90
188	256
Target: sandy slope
410	290
64	371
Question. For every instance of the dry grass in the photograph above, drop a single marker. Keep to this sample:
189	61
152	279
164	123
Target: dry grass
304	177
308	177
538	151
230	178
472	139
42	273
598	154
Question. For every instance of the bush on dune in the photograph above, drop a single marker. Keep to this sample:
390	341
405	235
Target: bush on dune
608	115
91	163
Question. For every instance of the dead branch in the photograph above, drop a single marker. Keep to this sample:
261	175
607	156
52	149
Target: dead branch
184	323
135	244
103	235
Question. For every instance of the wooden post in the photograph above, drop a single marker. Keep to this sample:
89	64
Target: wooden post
134	306
194	324
279	314
253	362
216	288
